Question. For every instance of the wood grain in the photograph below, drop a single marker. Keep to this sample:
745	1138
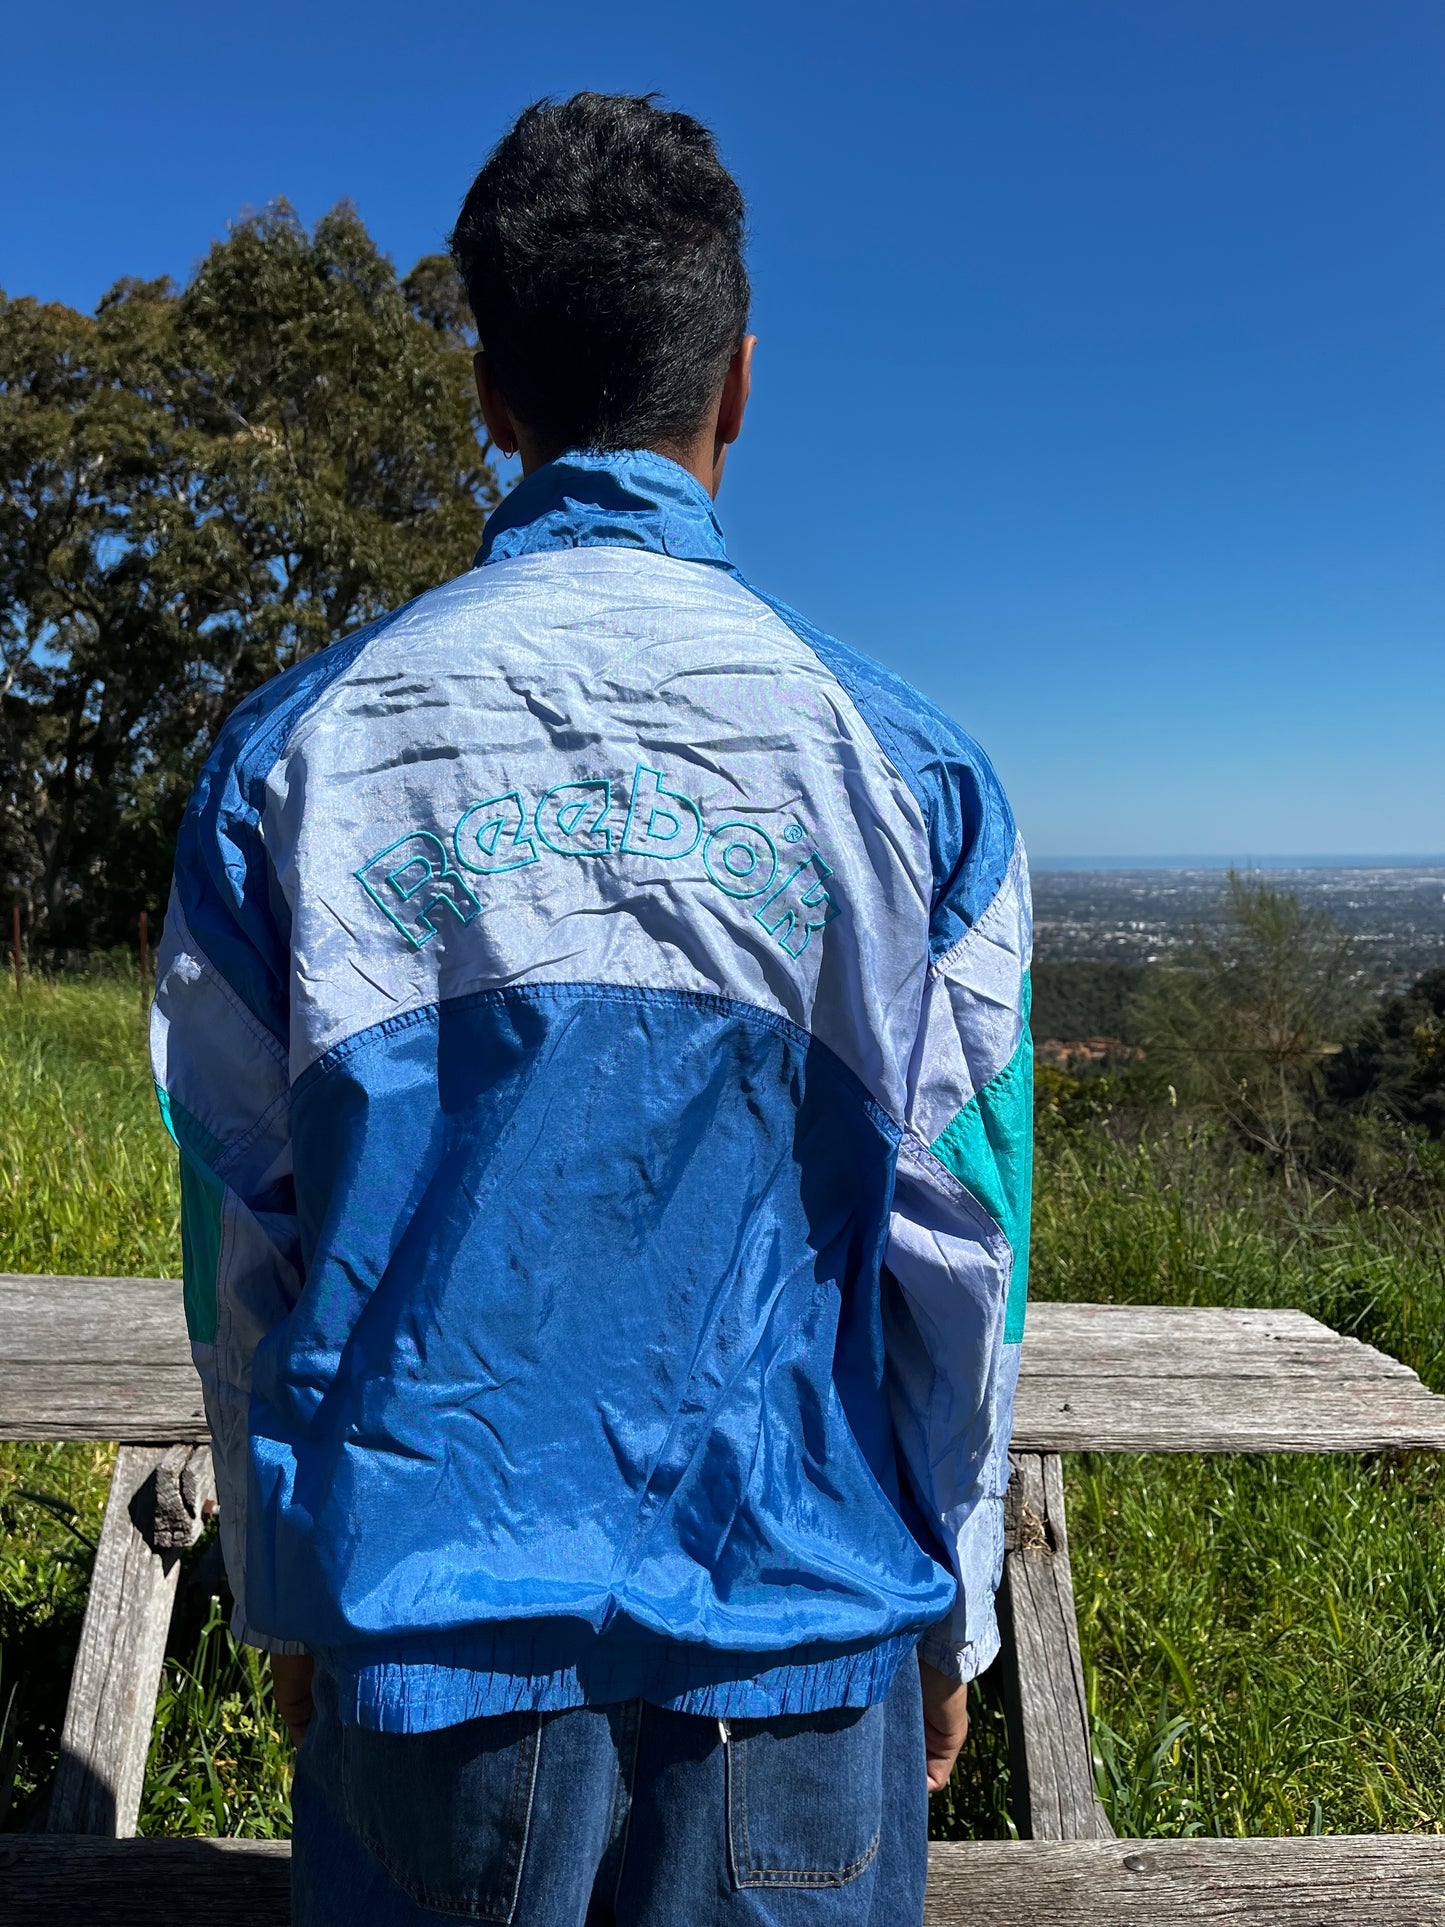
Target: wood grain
49	1880
96	1358
1164	1378
1362	1880
107	1358
1225	1414
1043	1674
106	1736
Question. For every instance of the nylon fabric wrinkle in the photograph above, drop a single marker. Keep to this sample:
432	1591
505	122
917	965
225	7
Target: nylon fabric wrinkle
594	1173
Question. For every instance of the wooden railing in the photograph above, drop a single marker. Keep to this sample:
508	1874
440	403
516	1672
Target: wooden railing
86	1358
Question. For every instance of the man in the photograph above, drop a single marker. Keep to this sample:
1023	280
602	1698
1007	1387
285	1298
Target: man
594	1020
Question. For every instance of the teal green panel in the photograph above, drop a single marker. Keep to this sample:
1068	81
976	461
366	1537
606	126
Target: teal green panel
989	1148
188	1132
202	1193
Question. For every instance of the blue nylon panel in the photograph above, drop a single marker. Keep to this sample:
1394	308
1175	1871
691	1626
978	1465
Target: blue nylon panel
637	501
590	1339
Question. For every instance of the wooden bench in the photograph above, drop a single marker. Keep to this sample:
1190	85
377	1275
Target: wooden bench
107	1359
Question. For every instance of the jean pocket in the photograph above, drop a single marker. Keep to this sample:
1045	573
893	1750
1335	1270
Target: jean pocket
446	1813
805	1798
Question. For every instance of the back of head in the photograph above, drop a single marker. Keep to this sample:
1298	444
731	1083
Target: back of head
601	248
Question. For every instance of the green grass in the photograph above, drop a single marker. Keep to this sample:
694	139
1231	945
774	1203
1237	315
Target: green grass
87	1176
1264	1638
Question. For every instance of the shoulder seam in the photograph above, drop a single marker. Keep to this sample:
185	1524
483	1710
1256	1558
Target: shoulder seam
846	684
939	966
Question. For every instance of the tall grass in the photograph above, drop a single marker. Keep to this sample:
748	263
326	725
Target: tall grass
87	1186
1264	1638
87	1177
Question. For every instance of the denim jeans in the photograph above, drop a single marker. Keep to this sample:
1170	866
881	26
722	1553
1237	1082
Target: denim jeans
625	1814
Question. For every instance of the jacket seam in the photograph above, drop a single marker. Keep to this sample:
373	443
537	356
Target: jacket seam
640	995
941	964
272	1044
849	686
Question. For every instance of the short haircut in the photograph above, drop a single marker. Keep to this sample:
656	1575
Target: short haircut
602	251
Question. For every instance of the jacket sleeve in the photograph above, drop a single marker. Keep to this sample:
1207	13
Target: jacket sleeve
958	1256
218	1051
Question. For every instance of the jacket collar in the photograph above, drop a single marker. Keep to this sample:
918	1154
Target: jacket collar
632	500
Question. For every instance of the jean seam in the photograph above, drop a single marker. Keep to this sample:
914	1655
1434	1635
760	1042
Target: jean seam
496	1906
517	1845
813	1876
631	1788
750	1876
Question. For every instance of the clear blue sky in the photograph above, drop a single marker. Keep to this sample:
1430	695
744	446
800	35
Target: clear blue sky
1102	379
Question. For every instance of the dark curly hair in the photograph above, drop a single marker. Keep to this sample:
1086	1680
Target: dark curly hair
602	251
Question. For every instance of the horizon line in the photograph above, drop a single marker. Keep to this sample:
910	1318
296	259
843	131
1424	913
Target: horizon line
1202	860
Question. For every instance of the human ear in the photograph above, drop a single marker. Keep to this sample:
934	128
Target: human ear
495	412
732	406
737	386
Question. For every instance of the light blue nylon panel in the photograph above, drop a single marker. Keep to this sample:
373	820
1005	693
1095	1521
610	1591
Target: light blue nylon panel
952	1387
959	1251
222	1078
554	703
973	1016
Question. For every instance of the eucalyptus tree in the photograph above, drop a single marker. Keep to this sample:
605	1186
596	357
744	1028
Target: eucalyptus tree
198	487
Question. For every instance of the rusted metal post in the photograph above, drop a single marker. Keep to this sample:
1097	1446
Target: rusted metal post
144	961
15	946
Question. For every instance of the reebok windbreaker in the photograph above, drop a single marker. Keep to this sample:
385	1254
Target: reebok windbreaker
593	1017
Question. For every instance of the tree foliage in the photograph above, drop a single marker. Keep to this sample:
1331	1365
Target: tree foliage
1397	1062
1248	1023
198	487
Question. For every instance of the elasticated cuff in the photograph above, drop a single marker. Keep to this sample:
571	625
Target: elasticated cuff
938	1649
245	1635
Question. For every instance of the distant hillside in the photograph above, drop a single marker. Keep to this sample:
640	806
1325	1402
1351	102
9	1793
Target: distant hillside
1075	1000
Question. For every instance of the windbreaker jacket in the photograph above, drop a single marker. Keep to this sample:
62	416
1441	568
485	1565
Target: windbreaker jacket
593	1016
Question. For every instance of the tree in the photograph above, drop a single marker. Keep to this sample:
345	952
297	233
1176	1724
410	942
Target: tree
1397	1063
1248	1022
197	488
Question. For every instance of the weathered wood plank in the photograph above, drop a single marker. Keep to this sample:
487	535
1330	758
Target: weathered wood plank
129	1402
1341	1880
95	1320
1181	1341
96	1358
157	1494
1165	1378
1224	1415
1043	1674
51	1880
107	1358
1362	1880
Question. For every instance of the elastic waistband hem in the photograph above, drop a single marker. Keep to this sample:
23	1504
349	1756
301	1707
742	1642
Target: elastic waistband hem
445	1682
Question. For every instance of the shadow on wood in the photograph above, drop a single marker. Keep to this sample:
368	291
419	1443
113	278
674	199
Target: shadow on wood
1359	1880
157	1496
1043	1675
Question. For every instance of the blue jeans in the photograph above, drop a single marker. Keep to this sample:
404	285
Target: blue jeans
627	1815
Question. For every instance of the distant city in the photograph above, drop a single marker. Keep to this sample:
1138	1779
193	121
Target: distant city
1393	907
